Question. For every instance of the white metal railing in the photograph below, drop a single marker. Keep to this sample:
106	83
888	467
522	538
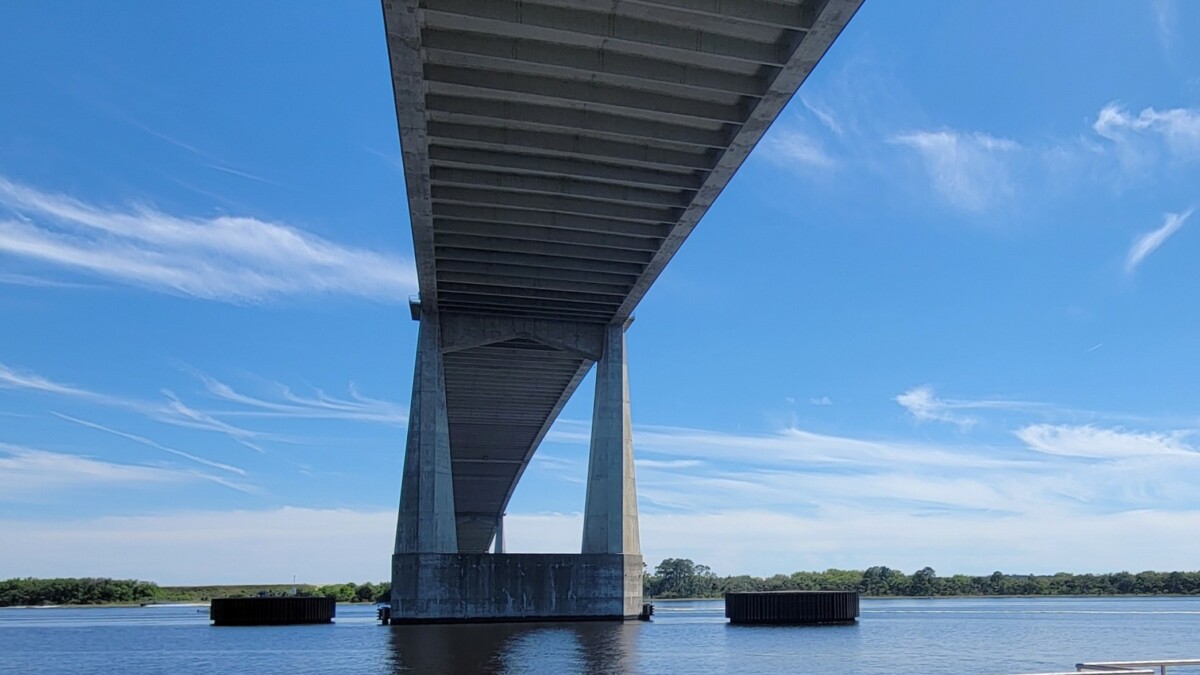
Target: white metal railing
1127	667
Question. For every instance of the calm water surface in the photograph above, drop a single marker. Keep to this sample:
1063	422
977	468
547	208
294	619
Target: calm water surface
1002	635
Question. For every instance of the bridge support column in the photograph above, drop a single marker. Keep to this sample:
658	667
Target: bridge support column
610	517
426	523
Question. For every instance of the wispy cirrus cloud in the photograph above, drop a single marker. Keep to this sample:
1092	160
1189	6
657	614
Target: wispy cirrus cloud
969	170
172	411
795	148
223	258
30	472
1099	443
926	406
151	443
1140	139
318	405
1165	19
1149	242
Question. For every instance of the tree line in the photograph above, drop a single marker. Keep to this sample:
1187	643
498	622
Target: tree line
682	578
30	591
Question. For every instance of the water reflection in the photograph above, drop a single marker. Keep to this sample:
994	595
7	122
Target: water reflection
591	647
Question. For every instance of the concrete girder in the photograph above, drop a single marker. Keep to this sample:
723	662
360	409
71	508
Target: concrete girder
545	248
532	310
558	221
403	27
537	260
559	307
556	119
505	292
484	83
680	14
607	276
505	281
464	332
528	233
585	60
512	18
568	145
520	164
798	15
625	79
554	203
569	186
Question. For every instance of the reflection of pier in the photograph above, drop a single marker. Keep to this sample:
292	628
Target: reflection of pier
556	155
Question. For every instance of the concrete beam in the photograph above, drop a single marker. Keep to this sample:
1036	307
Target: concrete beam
550	219
638	70
551	235
796	15
536	260
560	185
554	203
461	332
484	83
521	164
557	119
403	25
545	248
570	146
596	29
607	276
509	281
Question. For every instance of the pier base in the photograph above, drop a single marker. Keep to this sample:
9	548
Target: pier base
487	587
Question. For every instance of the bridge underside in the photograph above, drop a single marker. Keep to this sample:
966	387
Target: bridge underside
557	153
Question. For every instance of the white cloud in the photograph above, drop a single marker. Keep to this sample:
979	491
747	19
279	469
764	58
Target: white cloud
318	405
30	472
821	400
824	114
923	404
1149	242
153	444
173	411
1165	17
969	170
1137	138
1092	442
234	259
795	148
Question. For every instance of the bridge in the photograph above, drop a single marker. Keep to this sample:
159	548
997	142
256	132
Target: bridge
557	153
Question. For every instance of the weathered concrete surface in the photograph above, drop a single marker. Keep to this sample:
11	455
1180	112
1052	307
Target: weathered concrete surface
610	516
426	522
432	588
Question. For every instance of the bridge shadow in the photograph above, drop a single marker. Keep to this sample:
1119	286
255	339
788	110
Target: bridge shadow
595	648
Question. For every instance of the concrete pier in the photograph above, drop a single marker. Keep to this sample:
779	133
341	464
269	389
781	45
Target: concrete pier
435	581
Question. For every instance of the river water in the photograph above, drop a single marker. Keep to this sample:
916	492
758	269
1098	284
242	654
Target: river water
990	635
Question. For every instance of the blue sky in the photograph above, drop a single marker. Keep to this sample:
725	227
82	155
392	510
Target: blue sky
942	316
